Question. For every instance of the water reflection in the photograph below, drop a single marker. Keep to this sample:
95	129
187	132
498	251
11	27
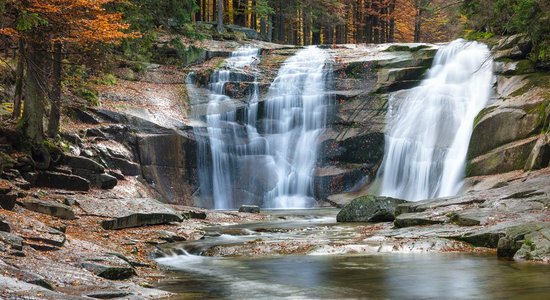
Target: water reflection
389	276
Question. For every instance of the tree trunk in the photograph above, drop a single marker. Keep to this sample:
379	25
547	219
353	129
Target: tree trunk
19	73
269	28
221	29
33	114
55	97
418	21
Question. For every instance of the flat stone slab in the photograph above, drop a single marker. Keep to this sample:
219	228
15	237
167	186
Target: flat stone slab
130	212
417	219
51	208
109	267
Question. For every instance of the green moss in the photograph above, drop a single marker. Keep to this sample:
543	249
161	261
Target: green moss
106	79
541	80
90	95
483	113
473	35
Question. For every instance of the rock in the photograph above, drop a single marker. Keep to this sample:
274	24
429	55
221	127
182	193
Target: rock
4	225
61	181
72	138
498	126
170	236
514	67
108	294
250	209
128	168
194	215
95	132
51	208
116	174
84	116
332	180
5	187
415	219
109	267
133	212
540	155
80	162
515	46
7	201
106	181
536	245
504	159
369	208
13	241
39	236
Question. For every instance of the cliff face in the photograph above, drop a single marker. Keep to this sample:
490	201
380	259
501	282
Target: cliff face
511	133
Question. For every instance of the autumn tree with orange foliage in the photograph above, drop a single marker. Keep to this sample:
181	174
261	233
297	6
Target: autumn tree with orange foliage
43	28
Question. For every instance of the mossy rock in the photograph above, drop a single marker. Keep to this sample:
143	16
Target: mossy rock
405	48
369	208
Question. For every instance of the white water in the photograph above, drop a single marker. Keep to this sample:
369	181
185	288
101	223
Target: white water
237	164
429	130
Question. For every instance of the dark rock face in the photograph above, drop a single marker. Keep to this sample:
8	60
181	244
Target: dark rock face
250	209
51	208
369	208
4	225
84	163
61	181
7	201
168	162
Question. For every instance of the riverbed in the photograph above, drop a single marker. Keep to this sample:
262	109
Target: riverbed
239	274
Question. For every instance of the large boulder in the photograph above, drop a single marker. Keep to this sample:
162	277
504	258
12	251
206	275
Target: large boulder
530	241
498	126
369	208
80	162
540	155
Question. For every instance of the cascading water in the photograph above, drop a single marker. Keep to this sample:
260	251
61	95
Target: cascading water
297	107
267	161
429	129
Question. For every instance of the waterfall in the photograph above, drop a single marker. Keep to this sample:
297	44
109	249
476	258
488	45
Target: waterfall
263	152
429	129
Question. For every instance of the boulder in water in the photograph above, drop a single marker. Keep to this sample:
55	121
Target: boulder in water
369	208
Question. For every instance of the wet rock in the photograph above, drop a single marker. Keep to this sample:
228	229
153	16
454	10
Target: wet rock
369	208
4	225
133	212
51	208
80	162
109	267
250	209
61	181
13	241
95	132
34	279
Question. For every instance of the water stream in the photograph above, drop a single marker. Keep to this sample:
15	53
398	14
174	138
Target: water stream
267	161
366	276
429	128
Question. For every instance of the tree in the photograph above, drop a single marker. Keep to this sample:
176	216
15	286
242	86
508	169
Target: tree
42	26
220	17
